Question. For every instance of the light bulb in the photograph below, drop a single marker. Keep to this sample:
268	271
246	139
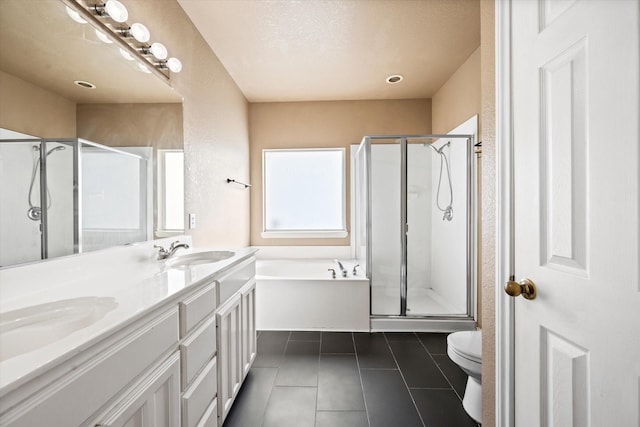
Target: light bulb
116	10
103	37
140	32
75	16
144	69
158	50
174	65
126	55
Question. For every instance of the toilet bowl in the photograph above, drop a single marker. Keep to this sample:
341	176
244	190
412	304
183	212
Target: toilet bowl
465	349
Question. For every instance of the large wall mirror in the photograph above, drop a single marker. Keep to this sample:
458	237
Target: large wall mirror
75	110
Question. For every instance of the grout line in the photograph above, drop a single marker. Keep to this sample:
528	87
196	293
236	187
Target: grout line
430	388
379	369
366	410
440	369
404	380
315	413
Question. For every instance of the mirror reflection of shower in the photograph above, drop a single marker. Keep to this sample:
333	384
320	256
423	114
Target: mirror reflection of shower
35	212
444	162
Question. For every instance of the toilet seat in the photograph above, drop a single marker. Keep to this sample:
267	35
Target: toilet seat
466	344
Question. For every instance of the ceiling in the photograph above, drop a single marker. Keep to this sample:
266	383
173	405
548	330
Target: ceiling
304	50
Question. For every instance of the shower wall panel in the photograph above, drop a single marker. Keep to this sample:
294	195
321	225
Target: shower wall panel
20	240
449	260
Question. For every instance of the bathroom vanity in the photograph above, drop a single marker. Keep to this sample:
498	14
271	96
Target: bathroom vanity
158	343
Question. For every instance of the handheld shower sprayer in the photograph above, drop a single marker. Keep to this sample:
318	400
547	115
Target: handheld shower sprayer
35	212
448	210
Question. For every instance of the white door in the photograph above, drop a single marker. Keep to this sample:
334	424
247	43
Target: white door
575	118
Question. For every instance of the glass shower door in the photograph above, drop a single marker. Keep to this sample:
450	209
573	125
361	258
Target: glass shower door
386	244
419	246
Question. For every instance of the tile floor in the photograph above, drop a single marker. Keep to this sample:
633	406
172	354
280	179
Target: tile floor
343	379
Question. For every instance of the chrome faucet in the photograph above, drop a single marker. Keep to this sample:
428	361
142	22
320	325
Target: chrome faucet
344	270
164	253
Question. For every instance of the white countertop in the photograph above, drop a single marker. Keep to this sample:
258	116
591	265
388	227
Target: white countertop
130	275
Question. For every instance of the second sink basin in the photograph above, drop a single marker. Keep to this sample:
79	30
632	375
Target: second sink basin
196	258
29	328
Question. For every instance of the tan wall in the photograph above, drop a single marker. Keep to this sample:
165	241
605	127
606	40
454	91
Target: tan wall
131	125
488	238
35	111
324	124
216	139
459	98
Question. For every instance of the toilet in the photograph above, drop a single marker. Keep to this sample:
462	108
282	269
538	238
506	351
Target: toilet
465	349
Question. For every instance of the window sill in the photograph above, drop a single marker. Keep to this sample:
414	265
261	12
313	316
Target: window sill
334	234
168	233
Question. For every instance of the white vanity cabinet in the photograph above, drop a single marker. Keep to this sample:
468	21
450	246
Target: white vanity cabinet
229	354
249	333
181	363
198	349
236	333
98	379
153	402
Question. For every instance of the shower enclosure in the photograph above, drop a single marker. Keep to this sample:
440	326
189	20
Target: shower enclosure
65	196
415	229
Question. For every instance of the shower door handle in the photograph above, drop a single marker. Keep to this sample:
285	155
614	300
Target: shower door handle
526	288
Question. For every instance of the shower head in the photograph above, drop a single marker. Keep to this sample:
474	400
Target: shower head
438	150
58	148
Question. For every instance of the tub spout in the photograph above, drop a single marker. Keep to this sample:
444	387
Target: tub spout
342	269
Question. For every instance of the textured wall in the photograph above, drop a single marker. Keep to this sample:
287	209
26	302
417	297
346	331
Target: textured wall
216	139
35	111
459	98
131	125
324	124
488	238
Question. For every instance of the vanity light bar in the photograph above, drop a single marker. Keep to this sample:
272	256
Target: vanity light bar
132	40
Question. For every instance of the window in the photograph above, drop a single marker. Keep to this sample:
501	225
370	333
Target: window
304	193
170	191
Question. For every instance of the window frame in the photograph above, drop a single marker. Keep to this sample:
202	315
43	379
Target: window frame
162	230
305	233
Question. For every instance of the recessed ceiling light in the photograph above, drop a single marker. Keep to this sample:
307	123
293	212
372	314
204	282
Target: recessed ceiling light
393	79
84	84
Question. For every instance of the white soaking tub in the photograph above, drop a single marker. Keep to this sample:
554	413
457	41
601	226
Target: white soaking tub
299	294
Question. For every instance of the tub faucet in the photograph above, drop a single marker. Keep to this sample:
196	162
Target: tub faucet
344	270
164	253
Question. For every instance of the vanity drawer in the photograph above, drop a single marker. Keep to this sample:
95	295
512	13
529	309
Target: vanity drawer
210	417
231	282
199	395
196	307
197	349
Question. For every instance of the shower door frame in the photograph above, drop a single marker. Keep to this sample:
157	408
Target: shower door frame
471	232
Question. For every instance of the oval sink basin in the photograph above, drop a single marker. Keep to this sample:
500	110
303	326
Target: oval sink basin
197	258
29	328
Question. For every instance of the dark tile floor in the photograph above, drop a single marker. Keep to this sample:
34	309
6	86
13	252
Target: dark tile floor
343	379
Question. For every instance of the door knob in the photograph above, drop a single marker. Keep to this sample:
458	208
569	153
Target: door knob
526	288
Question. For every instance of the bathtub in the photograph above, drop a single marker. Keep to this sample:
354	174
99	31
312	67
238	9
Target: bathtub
301	295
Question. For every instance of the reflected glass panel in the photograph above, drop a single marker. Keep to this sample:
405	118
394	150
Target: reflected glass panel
113	198
60	203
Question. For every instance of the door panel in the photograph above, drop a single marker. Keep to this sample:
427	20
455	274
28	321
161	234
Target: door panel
575	107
